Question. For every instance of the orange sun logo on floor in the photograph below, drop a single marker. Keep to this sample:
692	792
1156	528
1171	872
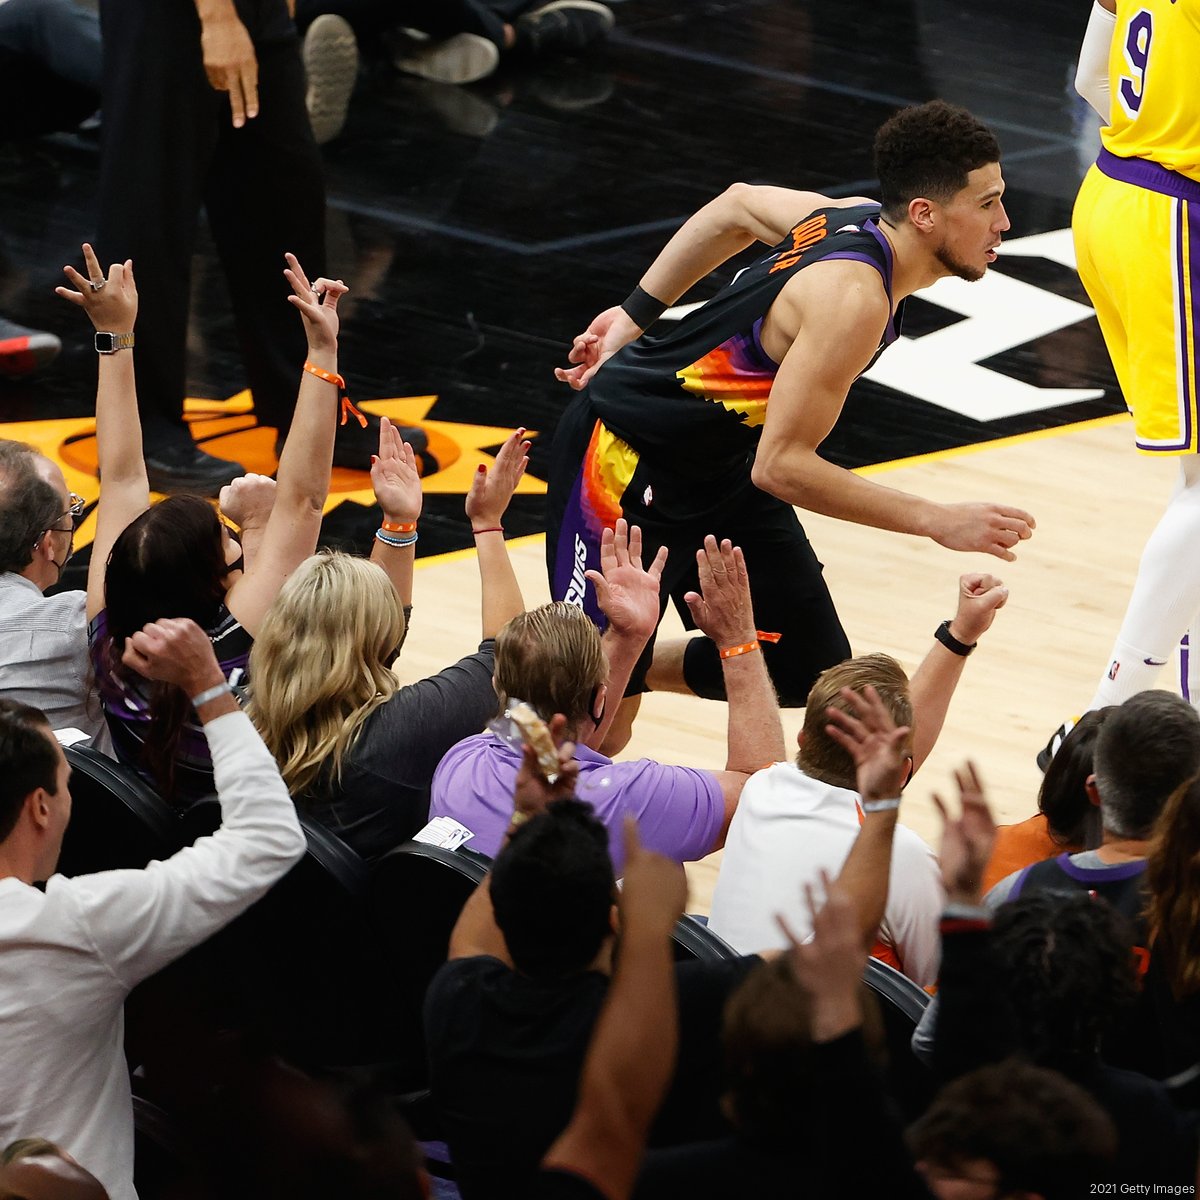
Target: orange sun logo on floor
227	429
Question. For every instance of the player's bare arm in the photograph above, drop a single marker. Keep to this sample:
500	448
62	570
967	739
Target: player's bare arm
741	215
839	311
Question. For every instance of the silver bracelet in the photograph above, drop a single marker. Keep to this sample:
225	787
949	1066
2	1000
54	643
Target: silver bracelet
218	689
874	806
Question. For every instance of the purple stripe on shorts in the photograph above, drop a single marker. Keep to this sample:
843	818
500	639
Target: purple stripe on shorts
1141	172
1184	657
1185	366
578	550
1191	214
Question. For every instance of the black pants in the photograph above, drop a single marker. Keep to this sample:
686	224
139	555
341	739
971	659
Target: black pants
787	585
168	148
438	18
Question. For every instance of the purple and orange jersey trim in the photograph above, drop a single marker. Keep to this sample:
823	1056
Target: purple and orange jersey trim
736	375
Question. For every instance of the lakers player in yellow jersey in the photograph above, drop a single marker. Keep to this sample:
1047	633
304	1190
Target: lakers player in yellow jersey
1137	238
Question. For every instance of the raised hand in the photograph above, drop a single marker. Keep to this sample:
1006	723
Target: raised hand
395	476
248	500
174	650
612	330
830	965
968	840
980	598
317	303
654	891
491	490
990	528
231	64
111	301
873	740
722	608
627	592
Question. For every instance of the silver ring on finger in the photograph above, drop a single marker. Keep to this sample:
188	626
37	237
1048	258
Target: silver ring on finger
97	286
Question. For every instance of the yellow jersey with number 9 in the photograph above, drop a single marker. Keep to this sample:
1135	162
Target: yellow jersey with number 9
1154	73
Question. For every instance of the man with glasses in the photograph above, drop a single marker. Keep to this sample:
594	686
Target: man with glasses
43	639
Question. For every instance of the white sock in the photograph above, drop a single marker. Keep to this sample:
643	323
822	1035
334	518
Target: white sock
1165	600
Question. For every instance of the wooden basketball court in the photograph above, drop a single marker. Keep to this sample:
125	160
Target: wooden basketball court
1095	501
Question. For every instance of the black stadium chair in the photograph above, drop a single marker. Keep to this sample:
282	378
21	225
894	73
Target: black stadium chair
414	897
117	820
164	1164
299	971
694	940
901	1004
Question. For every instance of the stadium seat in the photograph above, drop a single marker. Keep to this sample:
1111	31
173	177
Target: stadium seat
901	1003
117	820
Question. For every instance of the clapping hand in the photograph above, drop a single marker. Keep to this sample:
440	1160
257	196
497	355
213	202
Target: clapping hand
968	840
317	303
867	732
395	476
110	302
627	592
491	490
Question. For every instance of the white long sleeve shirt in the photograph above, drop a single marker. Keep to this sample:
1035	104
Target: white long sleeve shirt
70	955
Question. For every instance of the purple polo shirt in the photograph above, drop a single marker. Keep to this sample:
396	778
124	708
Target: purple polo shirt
679	810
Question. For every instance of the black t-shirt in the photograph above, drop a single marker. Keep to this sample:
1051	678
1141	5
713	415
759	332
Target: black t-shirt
383	795
506	1053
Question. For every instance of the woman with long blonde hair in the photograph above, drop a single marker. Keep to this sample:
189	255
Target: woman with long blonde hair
356	749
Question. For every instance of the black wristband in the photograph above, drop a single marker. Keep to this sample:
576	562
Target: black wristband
642	308
943	635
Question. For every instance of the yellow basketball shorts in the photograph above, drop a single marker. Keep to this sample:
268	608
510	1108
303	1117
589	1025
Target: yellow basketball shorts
1137	242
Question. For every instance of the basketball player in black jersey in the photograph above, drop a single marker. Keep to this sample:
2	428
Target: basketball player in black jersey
713	426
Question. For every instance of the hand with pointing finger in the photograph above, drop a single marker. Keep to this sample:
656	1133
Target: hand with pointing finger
230	62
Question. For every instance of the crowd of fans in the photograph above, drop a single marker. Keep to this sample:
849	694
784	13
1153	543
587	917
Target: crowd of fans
568	1054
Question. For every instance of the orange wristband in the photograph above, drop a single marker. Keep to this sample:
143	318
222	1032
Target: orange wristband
339	382
734	651
399	527
321	373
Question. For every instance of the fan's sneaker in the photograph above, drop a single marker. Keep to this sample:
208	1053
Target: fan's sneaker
331	69
1051	748
463	58
562	27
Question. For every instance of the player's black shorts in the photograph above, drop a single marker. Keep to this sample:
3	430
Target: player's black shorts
598	477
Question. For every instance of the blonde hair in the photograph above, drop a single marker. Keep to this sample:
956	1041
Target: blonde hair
321	664
552	659
820	756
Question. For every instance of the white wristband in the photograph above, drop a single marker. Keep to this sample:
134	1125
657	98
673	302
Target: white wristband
874	806
218	689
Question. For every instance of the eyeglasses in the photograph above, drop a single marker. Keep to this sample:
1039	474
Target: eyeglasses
75	506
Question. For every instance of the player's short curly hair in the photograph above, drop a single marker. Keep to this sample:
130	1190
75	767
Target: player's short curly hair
928	150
